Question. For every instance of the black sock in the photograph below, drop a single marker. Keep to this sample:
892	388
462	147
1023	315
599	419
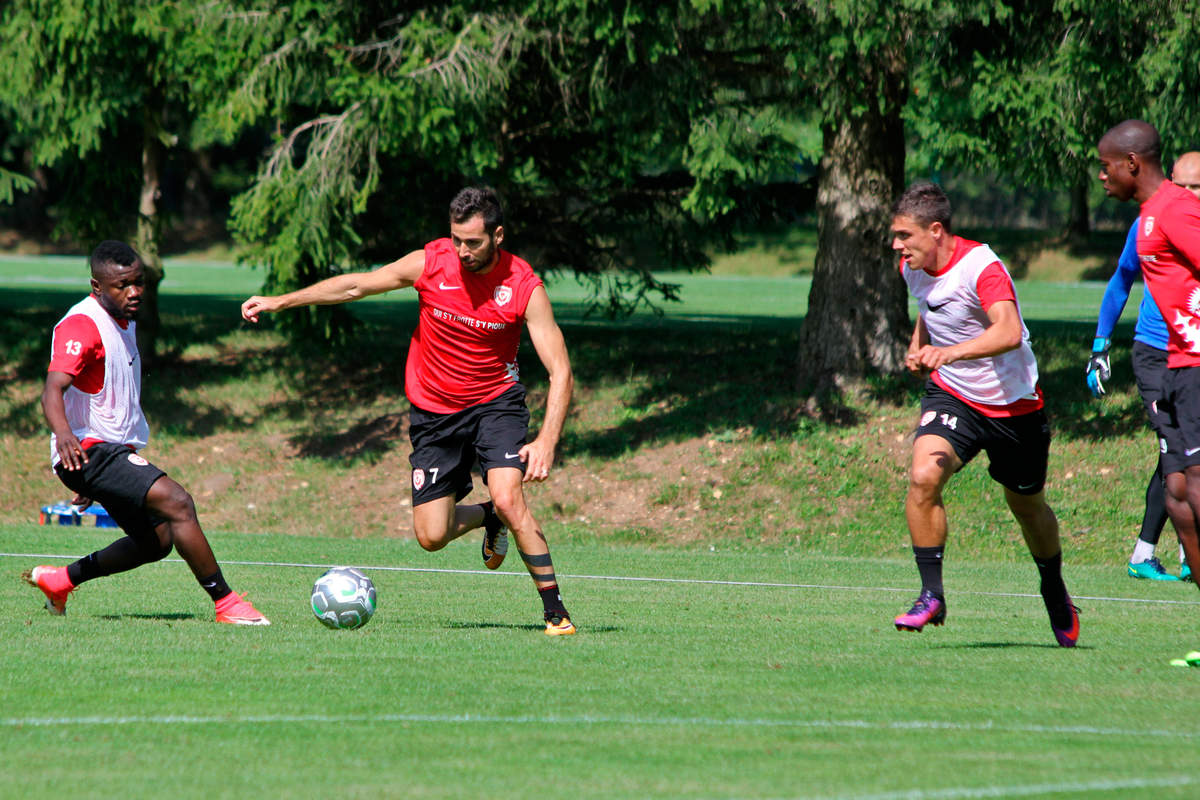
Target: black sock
120	556
215	585
929	565
1155	516
552	602
1054	591
491	520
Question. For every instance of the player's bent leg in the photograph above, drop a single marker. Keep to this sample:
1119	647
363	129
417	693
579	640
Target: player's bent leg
1039	526
180	526
170	502
438	522
933	462
1038	523
505	486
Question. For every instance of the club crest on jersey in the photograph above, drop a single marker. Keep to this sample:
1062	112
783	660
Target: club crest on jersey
1149	226
418	479
502	295
137	460
927	418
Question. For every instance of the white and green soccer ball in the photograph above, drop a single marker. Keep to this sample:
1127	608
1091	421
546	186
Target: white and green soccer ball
343	598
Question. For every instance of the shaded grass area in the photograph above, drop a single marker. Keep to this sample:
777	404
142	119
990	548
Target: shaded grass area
686	428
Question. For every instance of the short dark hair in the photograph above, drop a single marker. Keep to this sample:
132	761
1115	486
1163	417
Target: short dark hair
1135	136
477	200
924	202
109	254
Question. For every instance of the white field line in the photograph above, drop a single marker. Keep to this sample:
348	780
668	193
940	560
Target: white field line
591	719
632	578
1028	790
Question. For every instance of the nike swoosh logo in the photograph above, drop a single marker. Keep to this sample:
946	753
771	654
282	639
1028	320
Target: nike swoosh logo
938	308
442	285
1193	451
511	455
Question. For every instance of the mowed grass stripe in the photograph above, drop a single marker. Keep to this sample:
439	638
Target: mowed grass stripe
1066	787
686	722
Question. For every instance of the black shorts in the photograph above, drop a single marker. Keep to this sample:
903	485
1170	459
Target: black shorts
446	446
117	478
1150	372
1018	448
1183	419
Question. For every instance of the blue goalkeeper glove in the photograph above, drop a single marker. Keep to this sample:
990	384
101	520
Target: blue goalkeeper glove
1098	368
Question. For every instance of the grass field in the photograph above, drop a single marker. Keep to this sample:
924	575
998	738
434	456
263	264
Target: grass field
733	569
719	675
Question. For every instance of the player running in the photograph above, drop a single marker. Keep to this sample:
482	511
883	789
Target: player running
463	383
1168	247
1150	373
982	394
92	402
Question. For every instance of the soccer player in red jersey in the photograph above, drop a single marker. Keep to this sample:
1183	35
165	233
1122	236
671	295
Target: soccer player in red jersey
1168	246
982	394
462	379
92	402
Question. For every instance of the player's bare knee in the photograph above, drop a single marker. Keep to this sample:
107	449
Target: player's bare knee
430	540
925	481
171	501
509	504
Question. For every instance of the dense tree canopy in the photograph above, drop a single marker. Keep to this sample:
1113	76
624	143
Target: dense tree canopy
625	138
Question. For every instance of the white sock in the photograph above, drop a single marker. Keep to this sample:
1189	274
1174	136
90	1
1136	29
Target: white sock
1182	557
1142	551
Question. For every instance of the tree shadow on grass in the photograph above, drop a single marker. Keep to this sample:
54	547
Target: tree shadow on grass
679	379
363	439
675	378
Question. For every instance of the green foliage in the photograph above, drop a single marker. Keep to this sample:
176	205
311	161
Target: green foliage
1032	92
622	139
11	183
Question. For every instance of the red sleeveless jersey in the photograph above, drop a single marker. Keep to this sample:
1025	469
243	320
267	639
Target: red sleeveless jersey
464	350
1168	246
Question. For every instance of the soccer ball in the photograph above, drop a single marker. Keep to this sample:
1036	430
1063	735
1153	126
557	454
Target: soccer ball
343	598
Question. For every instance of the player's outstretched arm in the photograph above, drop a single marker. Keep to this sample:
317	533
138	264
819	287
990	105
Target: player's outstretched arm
346	288
551	348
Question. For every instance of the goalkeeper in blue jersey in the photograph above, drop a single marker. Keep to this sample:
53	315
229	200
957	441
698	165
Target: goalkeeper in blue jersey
1149	370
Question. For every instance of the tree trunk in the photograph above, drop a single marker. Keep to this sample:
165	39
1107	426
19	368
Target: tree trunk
1079	226
857	321
148	324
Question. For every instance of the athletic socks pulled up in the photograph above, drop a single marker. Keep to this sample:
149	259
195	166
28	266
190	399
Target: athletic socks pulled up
929	565
1054	590
215	585
552	602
